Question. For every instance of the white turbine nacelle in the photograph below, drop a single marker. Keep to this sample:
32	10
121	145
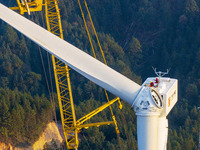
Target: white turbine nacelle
153	103
158	98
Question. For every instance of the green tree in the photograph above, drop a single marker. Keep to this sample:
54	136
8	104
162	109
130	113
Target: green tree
191	7
135	53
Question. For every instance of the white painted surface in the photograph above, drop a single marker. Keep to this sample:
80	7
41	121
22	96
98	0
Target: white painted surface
152	132
78	60
162	133
147	132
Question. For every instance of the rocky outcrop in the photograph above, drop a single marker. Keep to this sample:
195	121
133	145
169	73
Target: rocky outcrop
51	133
4	146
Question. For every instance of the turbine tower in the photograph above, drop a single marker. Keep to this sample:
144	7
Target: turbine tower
152	101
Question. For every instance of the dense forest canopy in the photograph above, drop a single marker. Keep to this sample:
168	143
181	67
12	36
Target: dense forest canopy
135	35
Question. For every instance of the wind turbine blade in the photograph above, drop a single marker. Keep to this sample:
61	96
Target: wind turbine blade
78	60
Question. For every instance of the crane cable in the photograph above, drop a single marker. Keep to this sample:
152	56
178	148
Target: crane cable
50	78
87	29
91	41
113	117
45	74
102	53
49	67
51	82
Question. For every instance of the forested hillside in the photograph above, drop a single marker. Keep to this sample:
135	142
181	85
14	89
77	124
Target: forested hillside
135	35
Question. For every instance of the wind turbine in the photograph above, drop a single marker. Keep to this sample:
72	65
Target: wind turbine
152	101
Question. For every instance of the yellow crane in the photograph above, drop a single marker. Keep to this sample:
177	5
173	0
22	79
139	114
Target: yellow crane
71	126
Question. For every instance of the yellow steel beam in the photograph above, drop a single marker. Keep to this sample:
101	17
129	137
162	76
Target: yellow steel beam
96	111
61	73
34	5
94	124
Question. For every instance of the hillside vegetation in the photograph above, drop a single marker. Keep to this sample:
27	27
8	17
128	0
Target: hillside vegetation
135	35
